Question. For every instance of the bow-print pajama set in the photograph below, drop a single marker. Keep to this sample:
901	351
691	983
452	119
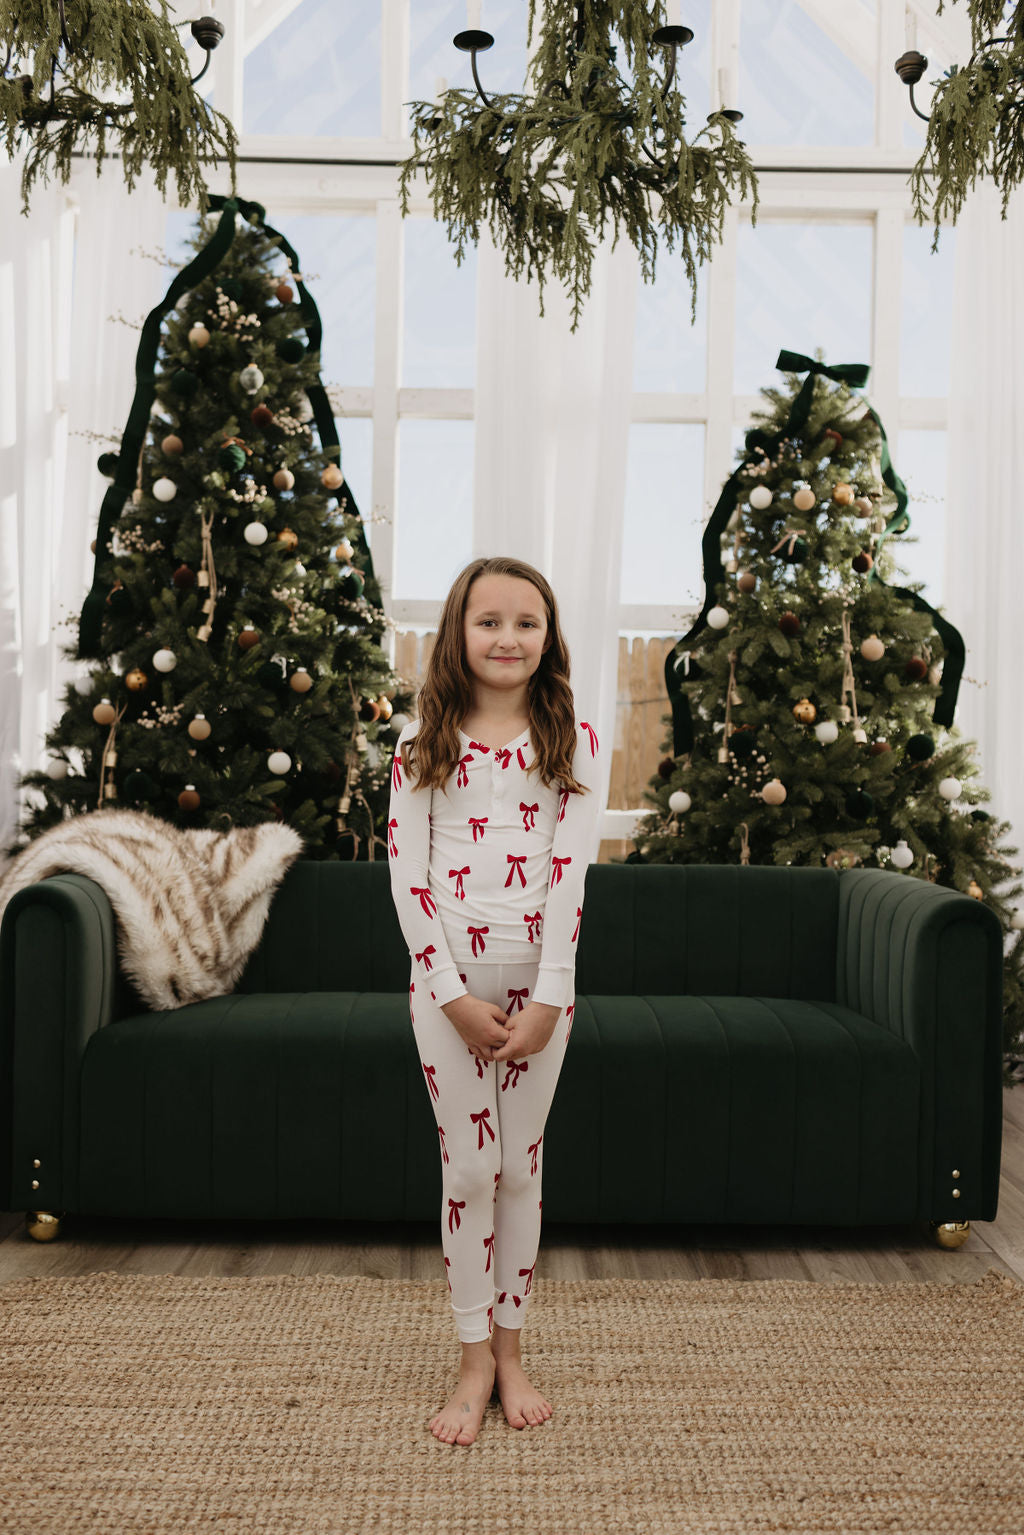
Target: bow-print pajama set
487	877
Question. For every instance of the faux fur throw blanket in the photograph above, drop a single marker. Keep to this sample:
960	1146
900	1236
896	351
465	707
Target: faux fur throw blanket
189	905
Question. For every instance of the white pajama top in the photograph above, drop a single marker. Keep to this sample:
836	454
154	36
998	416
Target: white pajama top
492	867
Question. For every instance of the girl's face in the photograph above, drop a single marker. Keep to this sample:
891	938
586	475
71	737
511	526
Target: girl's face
505	632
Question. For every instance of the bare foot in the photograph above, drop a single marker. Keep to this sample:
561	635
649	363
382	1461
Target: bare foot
521	1402
459	1420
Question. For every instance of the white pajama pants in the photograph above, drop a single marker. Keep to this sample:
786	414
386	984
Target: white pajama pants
490	1124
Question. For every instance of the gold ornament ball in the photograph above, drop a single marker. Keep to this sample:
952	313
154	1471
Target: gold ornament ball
288	538
199	336
803	499
384	705
344	551
975	889
104	712
774	792
199	728
284	479
746	581
300	681
248	638
136	679
805	712
872	648
842	494
332	477
172	444
188	799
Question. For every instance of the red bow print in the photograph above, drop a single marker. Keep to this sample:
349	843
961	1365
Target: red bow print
528	1274
448	1264
556	870
497	1180
456	875
529	812
579	918
489	1244
426	899
503	755
520	758
570	1010
505	1296
593	738
444	1148
429	1072
392	844
424	958
562	802
478	823
516	860
477	746
396	771
482	1122
463	778
534	1149
453	1213
533	921
478	933
517	994
514	1068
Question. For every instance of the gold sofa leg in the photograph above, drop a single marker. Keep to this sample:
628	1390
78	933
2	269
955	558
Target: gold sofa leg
950	1233
42	1225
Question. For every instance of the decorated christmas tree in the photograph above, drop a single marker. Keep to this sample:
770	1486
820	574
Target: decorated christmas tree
812	702
233	630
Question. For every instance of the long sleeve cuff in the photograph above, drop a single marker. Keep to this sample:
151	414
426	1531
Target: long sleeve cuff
555	986
446	984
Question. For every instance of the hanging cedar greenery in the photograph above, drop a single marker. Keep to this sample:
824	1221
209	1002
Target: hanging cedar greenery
546	172
112	48
974	127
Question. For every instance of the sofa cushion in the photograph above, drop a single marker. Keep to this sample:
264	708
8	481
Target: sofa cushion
668	1108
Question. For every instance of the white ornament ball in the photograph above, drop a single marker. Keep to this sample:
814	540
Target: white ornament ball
804	498
398	723
164	489
950	788
1017	920
860	736
279	762
827	732
901	856
56	768
864	507
165	660
872	648
760	497
718	617
84	686
251	379
256	533
199	336
680	801
774	792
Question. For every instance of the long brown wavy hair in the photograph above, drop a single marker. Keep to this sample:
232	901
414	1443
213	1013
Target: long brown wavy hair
446	694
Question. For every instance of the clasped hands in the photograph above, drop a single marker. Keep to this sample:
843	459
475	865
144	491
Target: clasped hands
494	1036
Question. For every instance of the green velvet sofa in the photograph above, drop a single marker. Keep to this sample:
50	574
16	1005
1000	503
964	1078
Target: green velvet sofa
767	1045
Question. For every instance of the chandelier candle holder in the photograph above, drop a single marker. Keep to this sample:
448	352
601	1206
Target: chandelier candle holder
546	172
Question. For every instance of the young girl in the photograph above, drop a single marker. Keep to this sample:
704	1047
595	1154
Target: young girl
491	828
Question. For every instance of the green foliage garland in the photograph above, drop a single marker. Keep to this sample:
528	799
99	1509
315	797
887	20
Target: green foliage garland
546	171
118	47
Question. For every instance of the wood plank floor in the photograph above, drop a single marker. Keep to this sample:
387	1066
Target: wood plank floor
875	1254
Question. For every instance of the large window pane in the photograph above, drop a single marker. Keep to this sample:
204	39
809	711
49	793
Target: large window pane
807	72
317	72
434	521
670	353
800	286
338	257
663	521
439	350
355	435
920	461
927	311
433	57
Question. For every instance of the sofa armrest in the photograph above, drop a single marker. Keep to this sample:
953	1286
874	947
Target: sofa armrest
58	986
927	963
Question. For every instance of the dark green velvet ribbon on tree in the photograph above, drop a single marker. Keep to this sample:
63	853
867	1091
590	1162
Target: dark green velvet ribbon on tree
212	253
856	375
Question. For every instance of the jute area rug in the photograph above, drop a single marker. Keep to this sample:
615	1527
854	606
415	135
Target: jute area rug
299	1405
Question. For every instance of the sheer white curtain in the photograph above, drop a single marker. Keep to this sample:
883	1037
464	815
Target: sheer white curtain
552	431
985	529
67	271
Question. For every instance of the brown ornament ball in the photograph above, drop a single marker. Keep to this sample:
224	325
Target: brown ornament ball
171	444
805	712
666	767
916	669
833	439
136	679
804	498
188	799
842	494
284	293
288	538
300	681
262	416
248	638
104	712
344	552
332	477
199	728
184	577
746	581
368	710
789	624
92	547
863	561
284	479
878	748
